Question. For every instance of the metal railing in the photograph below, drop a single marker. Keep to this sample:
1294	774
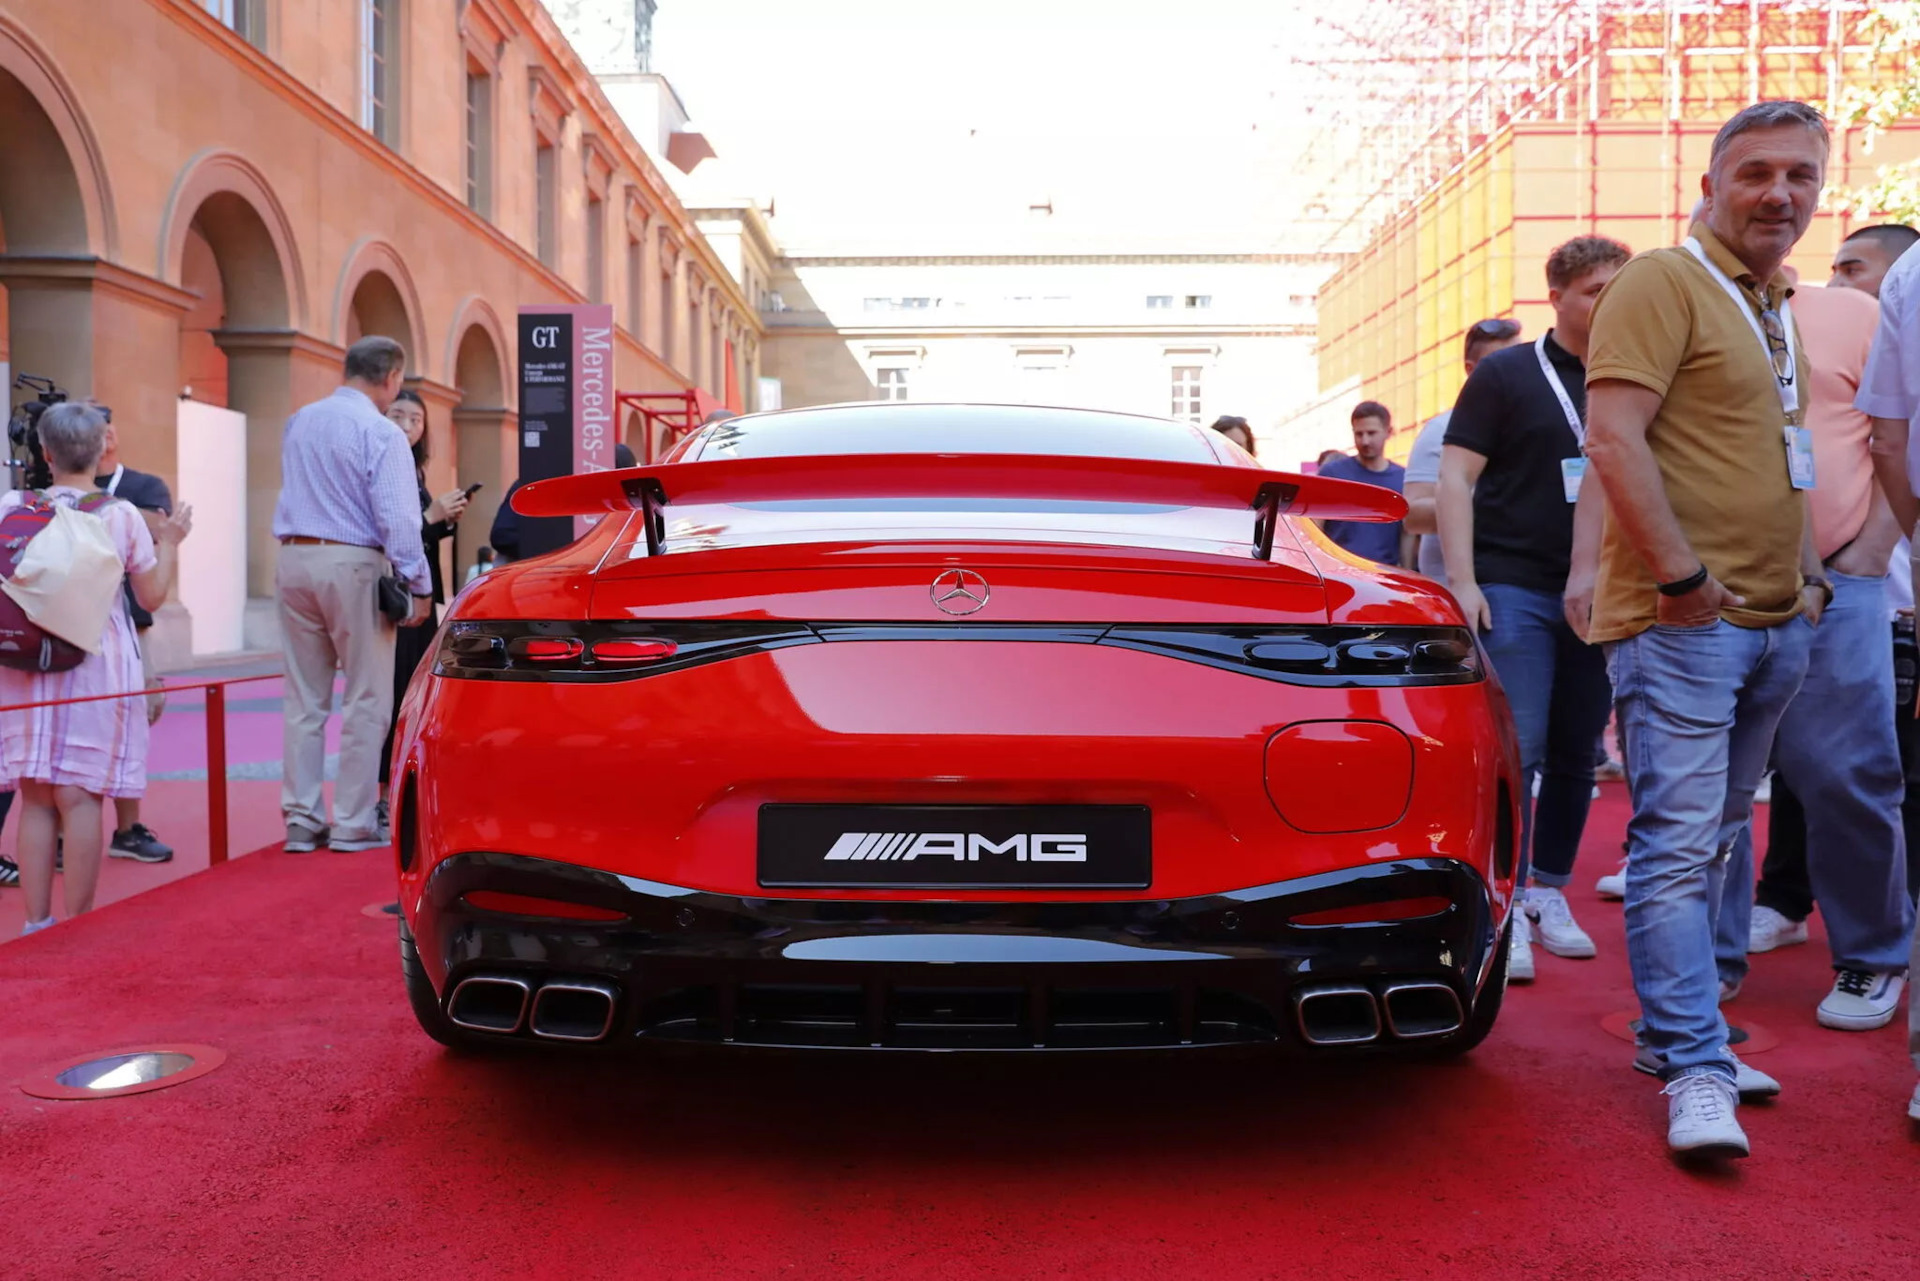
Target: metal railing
216	695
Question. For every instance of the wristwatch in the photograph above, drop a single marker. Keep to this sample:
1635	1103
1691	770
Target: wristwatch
1825	586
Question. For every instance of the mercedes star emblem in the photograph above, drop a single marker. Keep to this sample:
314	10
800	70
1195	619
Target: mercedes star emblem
960	591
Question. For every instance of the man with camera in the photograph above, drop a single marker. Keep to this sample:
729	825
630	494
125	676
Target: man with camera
349	508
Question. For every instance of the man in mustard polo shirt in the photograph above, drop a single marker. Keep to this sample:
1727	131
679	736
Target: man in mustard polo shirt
1709	585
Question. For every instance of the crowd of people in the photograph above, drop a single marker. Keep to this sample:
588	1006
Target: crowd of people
353	510
1688	506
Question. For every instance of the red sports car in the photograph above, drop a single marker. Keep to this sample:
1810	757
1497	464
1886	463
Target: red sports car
941	727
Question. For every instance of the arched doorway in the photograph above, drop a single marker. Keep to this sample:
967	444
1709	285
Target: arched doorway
54	208
378	308
487	449
227	243
376	296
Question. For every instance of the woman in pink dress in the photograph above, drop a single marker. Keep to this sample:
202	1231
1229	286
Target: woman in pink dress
65	760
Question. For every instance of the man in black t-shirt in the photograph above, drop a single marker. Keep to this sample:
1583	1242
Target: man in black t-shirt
1510	471
147	492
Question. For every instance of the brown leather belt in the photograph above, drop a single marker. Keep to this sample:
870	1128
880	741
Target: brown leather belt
301	540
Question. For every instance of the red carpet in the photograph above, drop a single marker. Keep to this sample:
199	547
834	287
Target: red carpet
338	1141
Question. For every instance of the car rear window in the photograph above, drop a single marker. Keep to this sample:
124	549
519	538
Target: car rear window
957	429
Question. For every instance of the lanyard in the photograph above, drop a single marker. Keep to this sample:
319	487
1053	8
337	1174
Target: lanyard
113	485
1789	391
1560	393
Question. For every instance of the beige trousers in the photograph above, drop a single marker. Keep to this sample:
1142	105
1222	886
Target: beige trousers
329	620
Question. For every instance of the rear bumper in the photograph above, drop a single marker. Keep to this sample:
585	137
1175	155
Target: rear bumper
1220	969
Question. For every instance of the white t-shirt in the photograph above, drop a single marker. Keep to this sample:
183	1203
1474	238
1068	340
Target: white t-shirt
1423	464
1890	388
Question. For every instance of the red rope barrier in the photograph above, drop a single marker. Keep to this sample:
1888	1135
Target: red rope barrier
217	837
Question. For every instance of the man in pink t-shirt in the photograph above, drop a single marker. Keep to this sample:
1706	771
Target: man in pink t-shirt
1834	829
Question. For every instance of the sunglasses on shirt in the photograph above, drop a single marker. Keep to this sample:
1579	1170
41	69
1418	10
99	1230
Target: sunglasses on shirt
1777	346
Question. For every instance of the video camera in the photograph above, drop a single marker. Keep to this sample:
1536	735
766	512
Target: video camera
26	462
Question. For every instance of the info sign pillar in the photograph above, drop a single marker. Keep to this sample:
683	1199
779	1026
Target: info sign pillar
567	409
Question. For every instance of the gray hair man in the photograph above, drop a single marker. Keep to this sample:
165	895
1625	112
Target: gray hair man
1708	578
349	507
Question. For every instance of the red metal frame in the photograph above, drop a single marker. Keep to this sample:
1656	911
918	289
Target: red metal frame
217	838
678	411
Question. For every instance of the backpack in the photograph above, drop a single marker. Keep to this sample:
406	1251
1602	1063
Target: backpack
74	583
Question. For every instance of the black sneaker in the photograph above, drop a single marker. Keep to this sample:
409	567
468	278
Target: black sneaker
139	843
9	872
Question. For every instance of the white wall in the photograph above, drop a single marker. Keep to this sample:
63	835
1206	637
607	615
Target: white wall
213	562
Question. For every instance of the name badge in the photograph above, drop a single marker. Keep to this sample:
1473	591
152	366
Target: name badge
1799	456
1572	472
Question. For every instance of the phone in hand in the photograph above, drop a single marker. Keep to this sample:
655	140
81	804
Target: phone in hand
474	488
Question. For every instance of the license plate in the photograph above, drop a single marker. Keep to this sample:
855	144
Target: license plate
1029	847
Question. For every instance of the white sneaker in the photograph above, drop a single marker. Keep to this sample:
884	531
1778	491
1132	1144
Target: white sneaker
1614	883
1771	929
1520	950
1913	1105
1700	1116
1560	934
1749	1082
1862	1001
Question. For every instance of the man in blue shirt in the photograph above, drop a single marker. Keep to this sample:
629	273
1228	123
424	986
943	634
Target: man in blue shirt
349	507
1372	424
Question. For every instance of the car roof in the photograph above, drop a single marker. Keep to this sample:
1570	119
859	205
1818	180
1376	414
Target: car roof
888	427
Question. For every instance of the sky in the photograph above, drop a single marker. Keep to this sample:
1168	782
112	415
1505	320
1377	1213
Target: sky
902	123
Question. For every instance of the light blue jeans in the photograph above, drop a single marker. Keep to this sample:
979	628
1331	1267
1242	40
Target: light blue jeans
1556	685
1838	750
1698	707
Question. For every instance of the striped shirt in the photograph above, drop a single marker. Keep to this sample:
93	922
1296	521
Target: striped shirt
346	475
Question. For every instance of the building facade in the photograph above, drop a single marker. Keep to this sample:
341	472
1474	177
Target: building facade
1614	144
206	201
1183	336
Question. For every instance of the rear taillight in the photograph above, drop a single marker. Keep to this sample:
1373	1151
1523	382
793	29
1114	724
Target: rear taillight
585	653
548	649
633	651
1337	655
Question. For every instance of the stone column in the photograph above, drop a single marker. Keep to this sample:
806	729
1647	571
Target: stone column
489	453
271	373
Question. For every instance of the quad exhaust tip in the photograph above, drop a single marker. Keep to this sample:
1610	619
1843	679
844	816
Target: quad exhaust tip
1350	1014
490	1003
573	1010
1338	1014
1422	1009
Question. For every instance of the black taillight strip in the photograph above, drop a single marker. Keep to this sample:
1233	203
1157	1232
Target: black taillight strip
1335	656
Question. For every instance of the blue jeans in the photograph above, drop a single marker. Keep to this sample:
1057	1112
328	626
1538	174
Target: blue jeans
1557	686
1698	708
1838	749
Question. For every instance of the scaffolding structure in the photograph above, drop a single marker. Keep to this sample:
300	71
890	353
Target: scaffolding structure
1496	129
1399	93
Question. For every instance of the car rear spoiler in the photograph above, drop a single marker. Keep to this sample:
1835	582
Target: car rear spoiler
1269	494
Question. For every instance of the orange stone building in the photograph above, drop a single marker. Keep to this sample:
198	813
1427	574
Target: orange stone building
208	200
